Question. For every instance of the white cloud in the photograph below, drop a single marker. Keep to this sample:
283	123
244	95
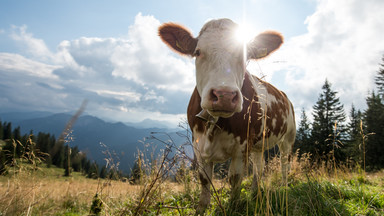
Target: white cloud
146	60
120	95
125	114
34	46
136	76
15	63
344	43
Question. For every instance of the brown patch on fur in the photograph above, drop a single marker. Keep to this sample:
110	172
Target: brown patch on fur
278	110
194	108
238	123
178	38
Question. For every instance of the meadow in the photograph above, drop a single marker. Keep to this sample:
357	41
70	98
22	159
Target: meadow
320	189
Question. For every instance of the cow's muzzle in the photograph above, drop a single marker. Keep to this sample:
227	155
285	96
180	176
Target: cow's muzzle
224	103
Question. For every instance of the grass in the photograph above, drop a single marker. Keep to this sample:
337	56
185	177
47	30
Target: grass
45	191
30	188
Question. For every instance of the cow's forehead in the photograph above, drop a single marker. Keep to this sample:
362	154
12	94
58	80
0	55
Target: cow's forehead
218	25
219	34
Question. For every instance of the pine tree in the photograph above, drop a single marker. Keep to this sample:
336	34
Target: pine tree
57	154
8	149
303	134
328	125
103	172
86	165
1	131
67	161
354	138
374	121
93	171
7	130
137	171
379	80
42	142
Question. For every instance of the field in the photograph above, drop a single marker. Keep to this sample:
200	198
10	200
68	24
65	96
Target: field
326	190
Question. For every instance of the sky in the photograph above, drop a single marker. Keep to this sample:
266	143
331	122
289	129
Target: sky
55	54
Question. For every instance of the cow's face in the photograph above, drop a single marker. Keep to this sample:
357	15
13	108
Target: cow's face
220	61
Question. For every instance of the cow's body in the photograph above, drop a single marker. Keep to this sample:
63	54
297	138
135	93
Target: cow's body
232	114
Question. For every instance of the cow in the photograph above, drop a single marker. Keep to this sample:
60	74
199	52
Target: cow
232	114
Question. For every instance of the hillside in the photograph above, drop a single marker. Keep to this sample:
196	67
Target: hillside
89	132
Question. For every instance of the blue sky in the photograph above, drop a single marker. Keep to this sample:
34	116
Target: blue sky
54	54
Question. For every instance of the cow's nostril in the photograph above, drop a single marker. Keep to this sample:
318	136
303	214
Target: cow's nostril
235	97
219	96
214	96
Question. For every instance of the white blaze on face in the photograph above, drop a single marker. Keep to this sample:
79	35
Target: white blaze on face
219	65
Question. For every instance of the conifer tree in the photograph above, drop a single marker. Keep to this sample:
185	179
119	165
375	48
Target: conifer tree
67	161
379	80
354	138
374	121
86	165
328	124
1	130
93	171
137	171
303	134
57	154
103	172
7	130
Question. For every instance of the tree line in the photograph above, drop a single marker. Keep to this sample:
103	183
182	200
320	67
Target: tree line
357	138
48	149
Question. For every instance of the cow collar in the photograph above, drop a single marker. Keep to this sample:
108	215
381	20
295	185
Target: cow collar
206	117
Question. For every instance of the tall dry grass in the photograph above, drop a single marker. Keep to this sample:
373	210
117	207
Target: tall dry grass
168	186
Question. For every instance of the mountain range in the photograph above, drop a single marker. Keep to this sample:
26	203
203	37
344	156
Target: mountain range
97	137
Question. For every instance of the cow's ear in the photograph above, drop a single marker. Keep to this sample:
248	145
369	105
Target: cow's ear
264	44
178	38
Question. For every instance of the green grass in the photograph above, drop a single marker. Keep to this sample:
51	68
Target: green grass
310	197
46	192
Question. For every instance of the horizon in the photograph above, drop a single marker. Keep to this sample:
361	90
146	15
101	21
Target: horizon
144	124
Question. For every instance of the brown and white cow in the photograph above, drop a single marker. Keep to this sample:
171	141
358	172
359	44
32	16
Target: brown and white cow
232	114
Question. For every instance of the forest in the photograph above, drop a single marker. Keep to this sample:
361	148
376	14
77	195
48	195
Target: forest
356	137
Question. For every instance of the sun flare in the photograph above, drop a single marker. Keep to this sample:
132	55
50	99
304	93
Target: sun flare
243	34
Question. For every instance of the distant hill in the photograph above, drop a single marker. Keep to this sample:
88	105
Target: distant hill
90	131
20	116
148	123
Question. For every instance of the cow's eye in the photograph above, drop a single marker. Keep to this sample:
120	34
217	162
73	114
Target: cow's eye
197	53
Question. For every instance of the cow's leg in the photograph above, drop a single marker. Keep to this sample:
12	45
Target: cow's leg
258	166
205	175
236	170
285	159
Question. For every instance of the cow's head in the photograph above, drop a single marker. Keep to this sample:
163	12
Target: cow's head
220	61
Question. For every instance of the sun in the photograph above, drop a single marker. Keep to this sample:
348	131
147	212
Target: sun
243	34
